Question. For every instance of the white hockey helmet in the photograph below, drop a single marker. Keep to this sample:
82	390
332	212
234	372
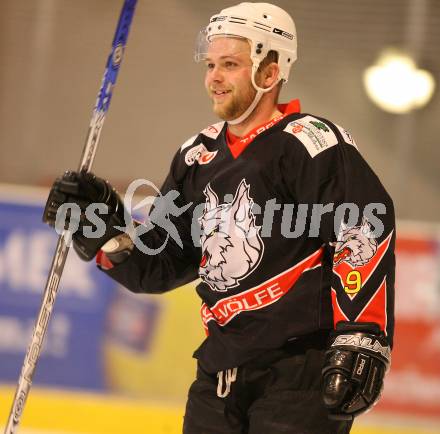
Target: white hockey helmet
266	26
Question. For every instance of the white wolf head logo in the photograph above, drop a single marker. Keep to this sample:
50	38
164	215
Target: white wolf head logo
355	245
231	244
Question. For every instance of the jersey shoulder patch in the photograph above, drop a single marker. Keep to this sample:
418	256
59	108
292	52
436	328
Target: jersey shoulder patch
214	130
200	154
348	138
313	133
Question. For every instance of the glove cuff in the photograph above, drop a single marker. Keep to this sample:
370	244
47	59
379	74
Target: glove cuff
363	338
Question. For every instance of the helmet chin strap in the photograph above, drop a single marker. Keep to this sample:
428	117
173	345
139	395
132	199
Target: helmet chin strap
258	95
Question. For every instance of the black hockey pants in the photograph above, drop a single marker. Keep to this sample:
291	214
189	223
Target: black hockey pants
279	393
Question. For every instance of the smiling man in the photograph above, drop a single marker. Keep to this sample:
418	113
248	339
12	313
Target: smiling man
290	232
228	83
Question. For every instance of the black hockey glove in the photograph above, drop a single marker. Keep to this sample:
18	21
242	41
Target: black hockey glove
94	227
355	365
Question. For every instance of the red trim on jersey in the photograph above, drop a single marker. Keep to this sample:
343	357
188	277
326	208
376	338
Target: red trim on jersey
293	106
338	314
376	309
366	271
103	261
260	296
238	144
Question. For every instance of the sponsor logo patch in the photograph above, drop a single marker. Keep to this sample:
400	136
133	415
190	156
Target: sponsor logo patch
314	134
200	154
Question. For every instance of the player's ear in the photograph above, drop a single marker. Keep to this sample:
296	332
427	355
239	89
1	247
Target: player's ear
270	74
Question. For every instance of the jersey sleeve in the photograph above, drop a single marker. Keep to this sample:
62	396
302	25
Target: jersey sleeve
352	214
164	256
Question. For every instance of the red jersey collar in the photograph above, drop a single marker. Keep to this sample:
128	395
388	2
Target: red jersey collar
238	144
293	106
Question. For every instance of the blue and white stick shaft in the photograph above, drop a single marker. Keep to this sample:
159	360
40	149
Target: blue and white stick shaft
108	82
62	249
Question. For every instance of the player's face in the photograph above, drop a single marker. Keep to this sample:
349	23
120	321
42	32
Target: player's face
228	77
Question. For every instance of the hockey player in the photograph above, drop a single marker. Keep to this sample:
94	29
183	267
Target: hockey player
290	232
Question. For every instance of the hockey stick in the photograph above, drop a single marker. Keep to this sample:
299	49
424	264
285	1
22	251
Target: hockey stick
62	249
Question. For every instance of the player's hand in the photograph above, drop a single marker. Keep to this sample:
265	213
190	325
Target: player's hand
355	365
96	209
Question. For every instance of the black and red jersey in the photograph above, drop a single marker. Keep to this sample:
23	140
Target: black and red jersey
288	229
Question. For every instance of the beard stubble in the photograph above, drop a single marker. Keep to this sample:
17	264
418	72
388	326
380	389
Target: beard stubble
237	105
